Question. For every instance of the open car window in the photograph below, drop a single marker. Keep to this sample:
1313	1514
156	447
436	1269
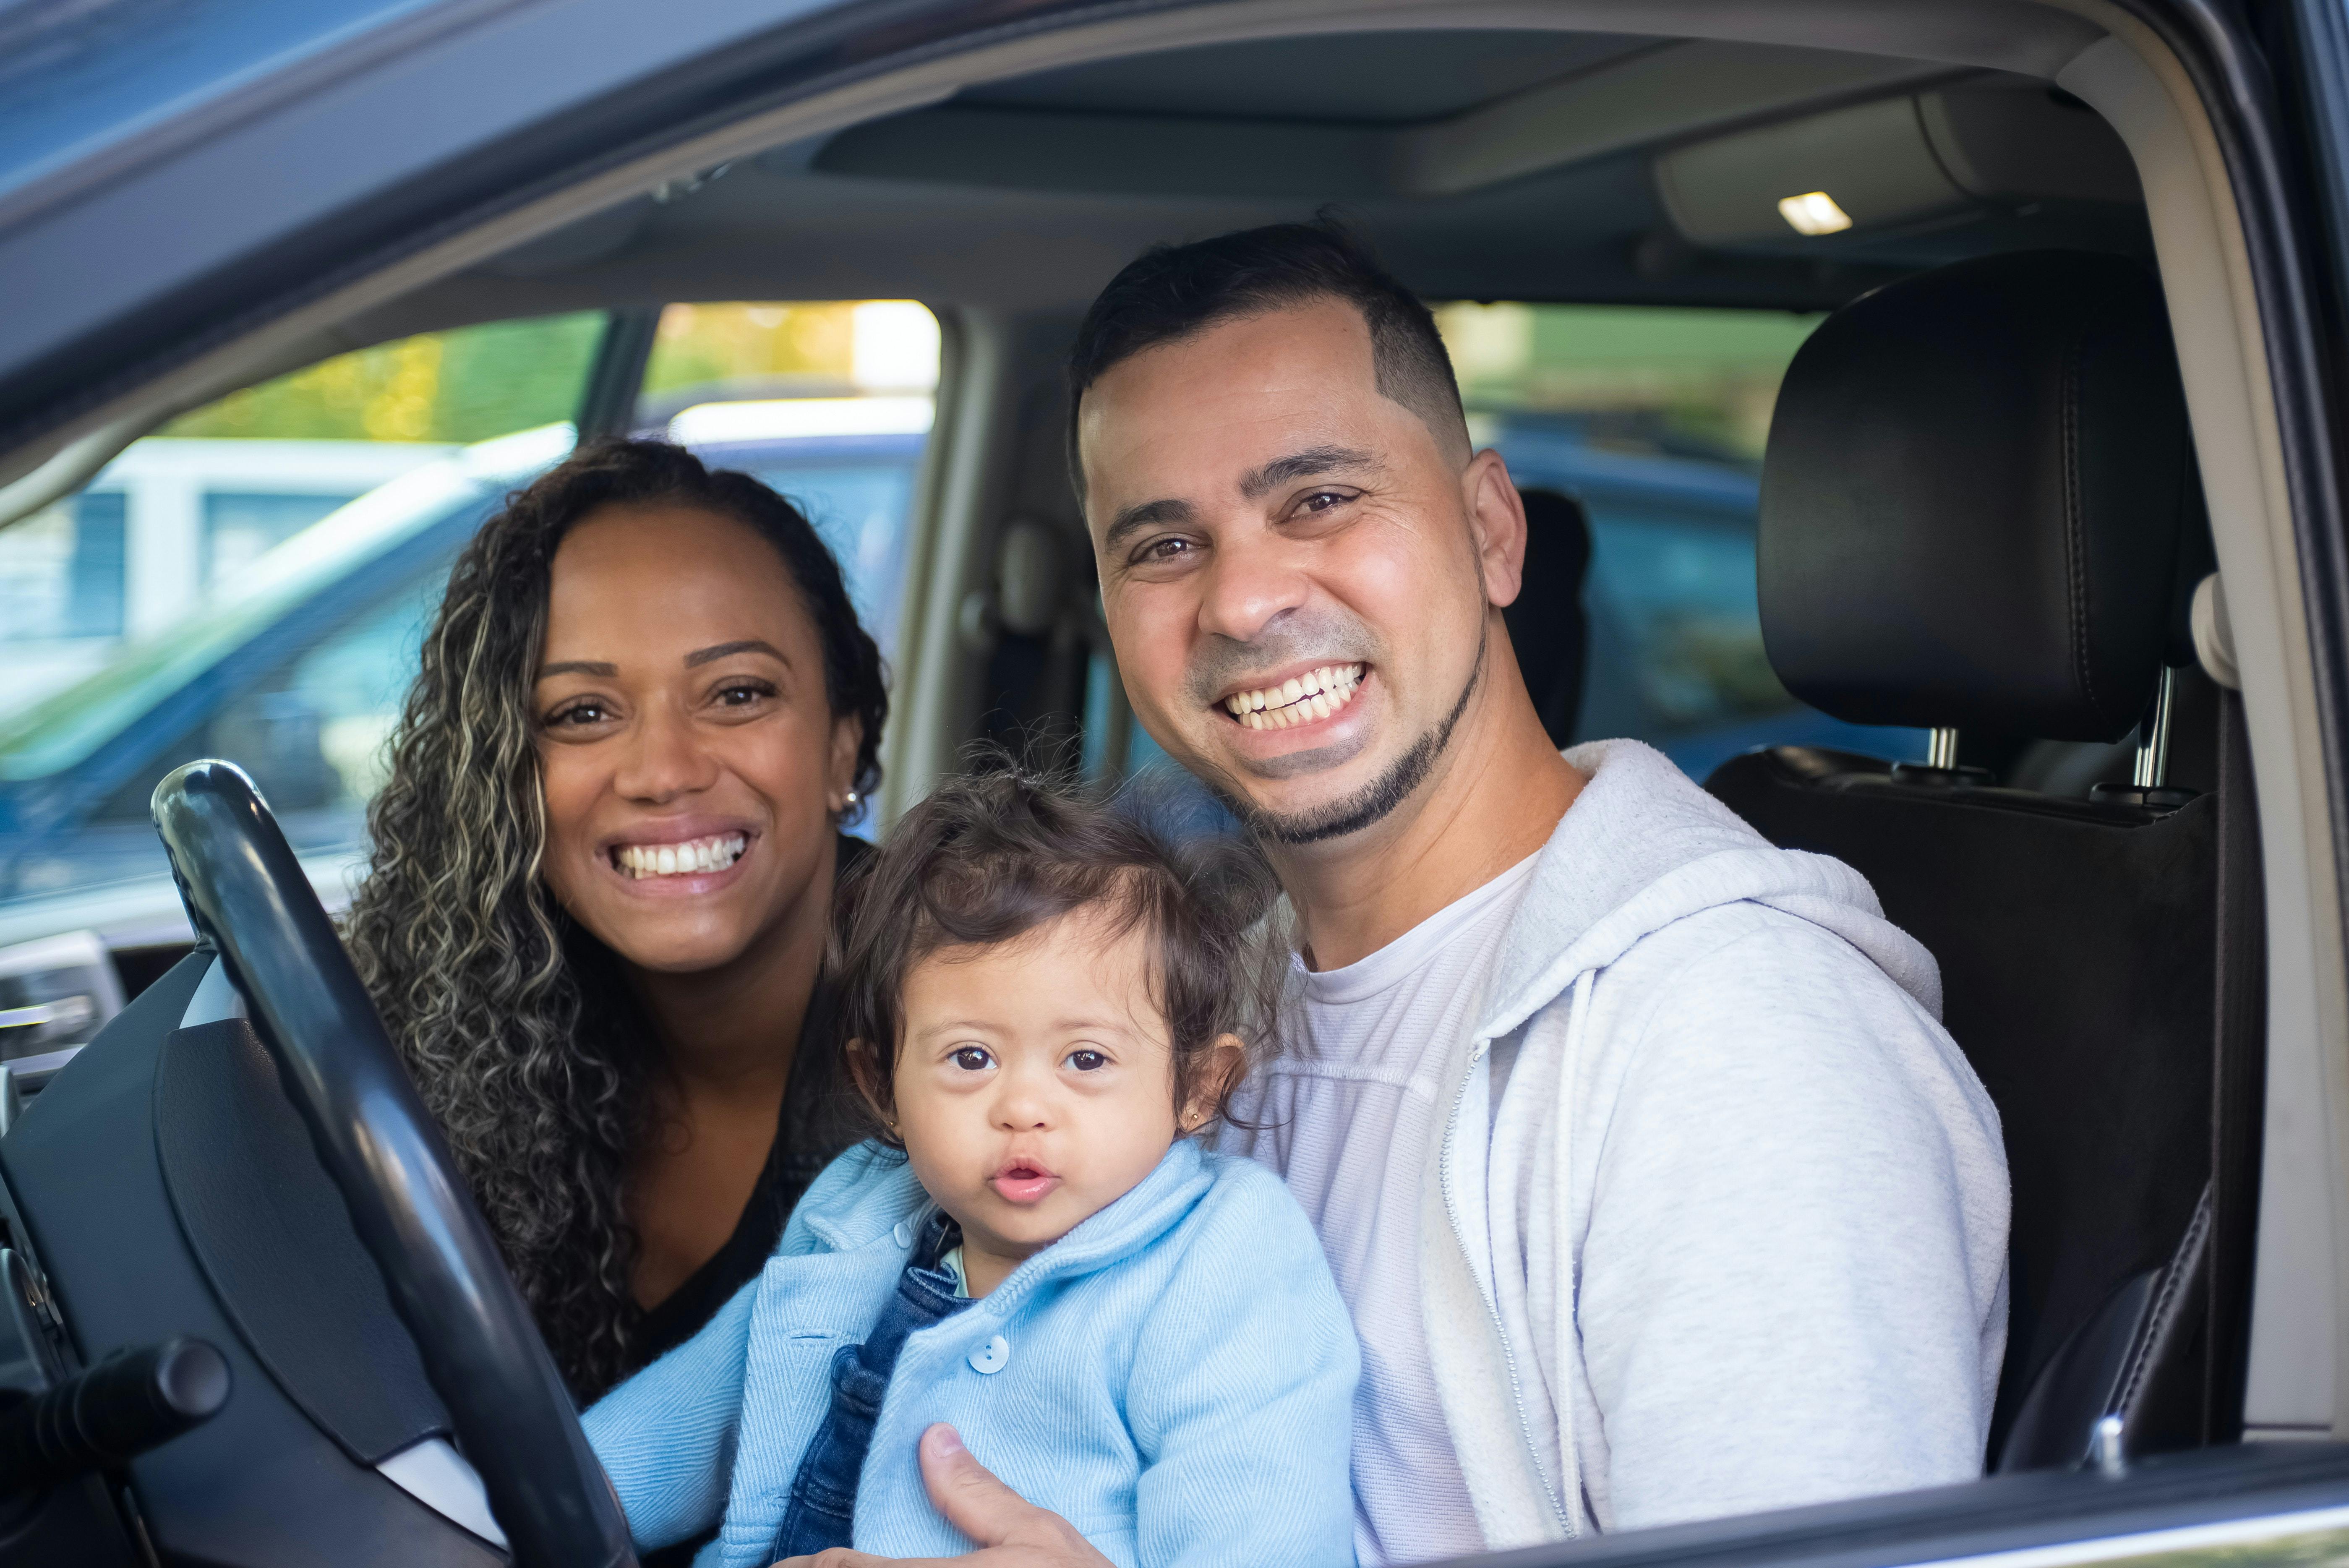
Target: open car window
253	582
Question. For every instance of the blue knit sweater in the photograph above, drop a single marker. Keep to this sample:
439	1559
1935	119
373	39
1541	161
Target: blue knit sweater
1174	1377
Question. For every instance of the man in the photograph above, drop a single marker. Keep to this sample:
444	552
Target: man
1655	1185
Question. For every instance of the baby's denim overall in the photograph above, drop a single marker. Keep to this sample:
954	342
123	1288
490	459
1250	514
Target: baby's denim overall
823	1510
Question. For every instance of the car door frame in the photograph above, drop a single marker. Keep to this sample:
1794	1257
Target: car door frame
672	100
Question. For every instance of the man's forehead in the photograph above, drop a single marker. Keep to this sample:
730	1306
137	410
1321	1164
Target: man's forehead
1204	412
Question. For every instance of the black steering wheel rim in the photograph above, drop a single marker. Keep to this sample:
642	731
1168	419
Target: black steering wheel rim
247	896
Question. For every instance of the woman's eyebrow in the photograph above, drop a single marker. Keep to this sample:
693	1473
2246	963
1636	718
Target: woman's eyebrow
725	650
579	667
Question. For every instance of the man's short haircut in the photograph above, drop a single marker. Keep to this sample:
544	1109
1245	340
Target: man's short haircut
1173	292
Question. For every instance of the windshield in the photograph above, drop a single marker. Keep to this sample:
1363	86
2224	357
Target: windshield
76	76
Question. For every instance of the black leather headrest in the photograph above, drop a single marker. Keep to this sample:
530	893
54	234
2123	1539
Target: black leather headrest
1547	626
1972	499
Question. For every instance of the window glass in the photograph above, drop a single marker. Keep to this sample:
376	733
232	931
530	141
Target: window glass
1655	419
77	77
177	522
828	403
751	351
255	582
252	583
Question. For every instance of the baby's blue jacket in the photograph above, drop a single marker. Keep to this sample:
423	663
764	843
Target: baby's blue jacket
1179	1380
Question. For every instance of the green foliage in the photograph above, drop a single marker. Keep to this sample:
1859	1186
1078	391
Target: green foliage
469	384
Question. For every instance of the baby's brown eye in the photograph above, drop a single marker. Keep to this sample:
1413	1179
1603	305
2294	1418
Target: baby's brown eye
970	1058
1087	1062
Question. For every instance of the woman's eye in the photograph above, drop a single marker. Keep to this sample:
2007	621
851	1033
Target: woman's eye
744	694
1087	1062
970	1058
579	714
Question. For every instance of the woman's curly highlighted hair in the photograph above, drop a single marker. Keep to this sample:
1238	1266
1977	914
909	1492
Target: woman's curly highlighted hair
516	1024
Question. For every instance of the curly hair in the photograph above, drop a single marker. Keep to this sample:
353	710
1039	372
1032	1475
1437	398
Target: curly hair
522	1037
999	851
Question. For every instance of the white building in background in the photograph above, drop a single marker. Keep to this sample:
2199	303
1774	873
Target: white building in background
162	530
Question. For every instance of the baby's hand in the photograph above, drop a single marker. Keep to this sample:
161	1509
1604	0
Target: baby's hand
1011	1531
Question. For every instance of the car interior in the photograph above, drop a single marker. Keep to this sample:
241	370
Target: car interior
2021	492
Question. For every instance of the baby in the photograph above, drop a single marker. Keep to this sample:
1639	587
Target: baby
1044	1006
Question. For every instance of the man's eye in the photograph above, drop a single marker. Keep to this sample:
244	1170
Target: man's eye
1322	500
1087	1062
1164	550
970	1058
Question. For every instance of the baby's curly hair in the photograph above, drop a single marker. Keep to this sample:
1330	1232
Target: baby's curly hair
1000	850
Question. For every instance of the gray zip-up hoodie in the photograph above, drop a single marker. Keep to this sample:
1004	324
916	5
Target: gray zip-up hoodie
1717	1219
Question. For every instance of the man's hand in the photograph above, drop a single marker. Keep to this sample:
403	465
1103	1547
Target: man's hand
1011	1532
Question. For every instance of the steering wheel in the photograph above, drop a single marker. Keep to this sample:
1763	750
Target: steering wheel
246	893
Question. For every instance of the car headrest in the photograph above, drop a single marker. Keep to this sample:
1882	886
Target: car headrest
1973	498
1547	626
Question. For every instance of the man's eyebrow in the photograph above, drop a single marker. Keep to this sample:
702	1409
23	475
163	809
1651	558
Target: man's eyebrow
579	667
1304	465
727	650
1135	517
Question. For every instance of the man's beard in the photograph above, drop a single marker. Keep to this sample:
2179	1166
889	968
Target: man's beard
1373	801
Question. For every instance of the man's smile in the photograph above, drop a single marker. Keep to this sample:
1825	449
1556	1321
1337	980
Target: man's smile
1300	699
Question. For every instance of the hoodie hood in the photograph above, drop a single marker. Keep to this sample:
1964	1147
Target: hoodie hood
1641	847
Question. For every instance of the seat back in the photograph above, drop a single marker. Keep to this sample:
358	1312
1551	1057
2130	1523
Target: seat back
1971	513
1547	624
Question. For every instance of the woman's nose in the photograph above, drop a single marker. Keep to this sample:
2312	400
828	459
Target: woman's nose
663	759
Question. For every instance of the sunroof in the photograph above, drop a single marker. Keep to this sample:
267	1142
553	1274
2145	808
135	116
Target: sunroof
1364	79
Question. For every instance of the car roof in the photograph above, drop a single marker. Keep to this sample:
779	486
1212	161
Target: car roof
1000	169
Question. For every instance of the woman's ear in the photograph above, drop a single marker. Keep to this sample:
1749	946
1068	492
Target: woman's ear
1227	1059
840	781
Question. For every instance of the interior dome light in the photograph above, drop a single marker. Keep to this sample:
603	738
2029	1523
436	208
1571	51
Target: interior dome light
1814	212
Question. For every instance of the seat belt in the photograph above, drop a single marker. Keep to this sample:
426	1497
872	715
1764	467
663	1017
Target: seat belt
2239	1085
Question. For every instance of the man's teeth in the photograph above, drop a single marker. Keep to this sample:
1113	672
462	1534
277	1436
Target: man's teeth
711	854
1316	694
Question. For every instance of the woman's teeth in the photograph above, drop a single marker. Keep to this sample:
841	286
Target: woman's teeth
638	861
1316	694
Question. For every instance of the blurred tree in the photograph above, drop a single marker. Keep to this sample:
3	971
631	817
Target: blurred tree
467	384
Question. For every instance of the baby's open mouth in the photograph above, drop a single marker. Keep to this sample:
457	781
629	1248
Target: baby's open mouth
693	856
1023	1182
1316	694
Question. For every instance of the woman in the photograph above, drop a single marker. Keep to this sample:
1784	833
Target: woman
602	883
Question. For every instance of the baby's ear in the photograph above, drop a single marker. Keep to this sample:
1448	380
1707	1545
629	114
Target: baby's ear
1218	1074
865	1071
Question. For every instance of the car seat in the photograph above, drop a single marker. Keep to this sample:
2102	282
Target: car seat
1977	504
1547	626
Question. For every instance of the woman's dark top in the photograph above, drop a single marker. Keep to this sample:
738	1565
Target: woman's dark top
815	1126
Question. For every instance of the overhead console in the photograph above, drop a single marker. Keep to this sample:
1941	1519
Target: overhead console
1898	168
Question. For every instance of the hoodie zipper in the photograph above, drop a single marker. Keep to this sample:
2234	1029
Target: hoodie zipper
1492	1309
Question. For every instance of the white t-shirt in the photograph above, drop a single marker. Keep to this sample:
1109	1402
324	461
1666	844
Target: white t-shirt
1344	1114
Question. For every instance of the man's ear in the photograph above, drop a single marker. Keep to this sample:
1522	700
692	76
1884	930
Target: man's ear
1497	523
1216	1078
